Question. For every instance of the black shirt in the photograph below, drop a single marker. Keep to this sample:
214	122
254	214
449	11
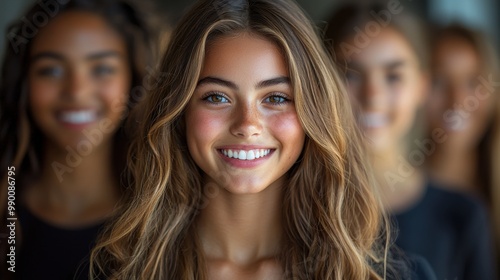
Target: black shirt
50	252
452	232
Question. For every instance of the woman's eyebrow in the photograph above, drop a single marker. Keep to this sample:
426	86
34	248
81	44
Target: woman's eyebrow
394	64
273	82
229	84
217	81
92	56
42	55
103	54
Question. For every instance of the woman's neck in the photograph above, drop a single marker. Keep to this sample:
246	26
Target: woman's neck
74	189
400	183
456	168
242	229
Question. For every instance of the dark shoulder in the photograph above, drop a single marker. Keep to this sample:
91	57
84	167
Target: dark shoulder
404	265
420	269
453	205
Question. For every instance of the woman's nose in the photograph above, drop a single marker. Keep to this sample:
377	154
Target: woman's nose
247	121
372	95
76	86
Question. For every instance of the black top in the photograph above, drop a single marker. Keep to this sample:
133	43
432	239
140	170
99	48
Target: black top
50	252
407	266
420	269
452	232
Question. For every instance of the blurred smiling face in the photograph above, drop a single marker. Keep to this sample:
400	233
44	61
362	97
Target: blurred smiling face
242	127
386	85
79	78
457	103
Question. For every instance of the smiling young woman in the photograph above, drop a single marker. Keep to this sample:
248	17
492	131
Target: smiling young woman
248	163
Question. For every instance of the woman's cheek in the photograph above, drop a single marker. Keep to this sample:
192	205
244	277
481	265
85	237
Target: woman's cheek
287	128
204	126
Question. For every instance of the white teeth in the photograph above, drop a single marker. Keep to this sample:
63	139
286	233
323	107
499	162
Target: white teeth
457	126
460	125
242	155
250	155
246	155
373	120
78	117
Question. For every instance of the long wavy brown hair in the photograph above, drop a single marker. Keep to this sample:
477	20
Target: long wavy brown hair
333	220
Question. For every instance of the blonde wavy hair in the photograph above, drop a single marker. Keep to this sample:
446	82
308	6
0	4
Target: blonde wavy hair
333	219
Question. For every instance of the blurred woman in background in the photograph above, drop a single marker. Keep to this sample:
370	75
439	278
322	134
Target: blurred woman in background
384	54
67	85
463	102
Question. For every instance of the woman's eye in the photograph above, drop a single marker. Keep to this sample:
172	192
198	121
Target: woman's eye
216	98
352	76
50	72
276	99
393	78
102	70
438	83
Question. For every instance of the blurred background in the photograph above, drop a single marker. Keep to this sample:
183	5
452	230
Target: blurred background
479	14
